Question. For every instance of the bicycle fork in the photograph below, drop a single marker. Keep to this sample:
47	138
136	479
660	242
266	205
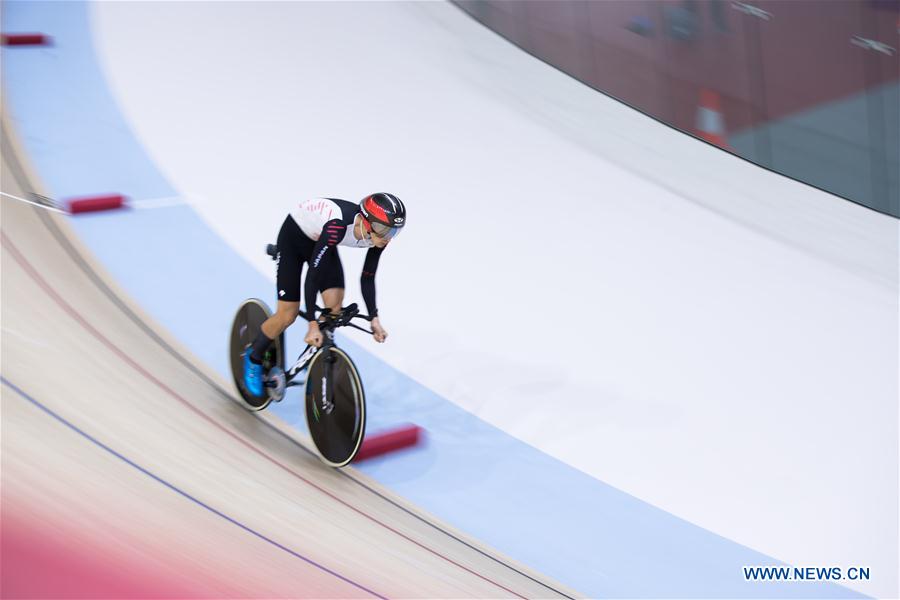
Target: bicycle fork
328	390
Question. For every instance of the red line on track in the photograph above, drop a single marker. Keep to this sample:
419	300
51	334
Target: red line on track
32	272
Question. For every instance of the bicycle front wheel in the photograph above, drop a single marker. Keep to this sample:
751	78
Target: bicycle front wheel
335	406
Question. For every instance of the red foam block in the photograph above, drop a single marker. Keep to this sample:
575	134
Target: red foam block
388	441
24	39
96	203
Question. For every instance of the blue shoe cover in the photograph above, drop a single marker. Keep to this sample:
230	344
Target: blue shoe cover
253	375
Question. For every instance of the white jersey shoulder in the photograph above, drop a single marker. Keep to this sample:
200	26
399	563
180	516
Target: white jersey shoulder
311	216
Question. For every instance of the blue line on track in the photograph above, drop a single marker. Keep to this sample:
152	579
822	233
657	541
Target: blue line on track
181	492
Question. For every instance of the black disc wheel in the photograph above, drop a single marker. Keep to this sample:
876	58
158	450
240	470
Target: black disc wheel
335	406
247	322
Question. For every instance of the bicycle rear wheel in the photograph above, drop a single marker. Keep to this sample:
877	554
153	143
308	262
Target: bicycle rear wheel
247	322
336	429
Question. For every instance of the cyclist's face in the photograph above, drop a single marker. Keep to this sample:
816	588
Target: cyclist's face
379	241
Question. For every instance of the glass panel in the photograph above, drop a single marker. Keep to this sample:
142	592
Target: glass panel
708	52
809	89
623	45
880	35
814	81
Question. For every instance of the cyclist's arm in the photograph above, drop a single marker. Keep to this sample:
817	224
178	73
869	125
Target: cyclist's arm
323	252
367	280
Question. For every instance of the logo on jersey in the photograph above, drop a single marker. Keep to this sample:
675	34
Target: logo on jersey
319	257
280	293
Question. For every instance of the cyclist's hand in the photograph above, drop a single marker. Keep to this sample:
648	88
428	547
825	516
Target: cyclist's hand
379	333
313	335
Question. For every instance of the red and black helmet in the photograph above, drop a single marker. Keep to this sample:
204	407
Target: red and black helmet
384	214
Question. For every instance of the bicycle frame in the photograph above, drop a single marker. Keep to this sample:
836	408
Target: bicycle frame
328	326
348	313
301	363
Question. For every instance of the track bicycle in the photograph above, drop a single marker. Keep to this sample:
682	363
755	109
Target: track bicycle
335	403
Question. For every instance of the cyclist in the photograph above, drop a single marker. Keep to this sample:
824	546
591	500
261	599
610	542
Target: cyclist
311	233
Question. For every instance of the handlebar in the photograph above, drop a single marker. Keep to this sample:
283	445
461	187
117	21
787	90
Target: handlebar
327	320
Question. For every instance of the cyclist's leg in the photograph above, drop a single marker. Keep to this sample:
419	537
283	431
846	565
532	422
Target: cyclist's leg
285	315
290	264
331	285
333	299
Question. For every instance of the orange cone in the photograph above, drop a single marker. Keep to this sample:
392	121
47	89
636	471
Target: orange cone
710	121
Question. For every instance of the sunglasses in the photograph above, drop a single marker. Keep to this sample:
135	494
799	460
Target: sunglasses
382	230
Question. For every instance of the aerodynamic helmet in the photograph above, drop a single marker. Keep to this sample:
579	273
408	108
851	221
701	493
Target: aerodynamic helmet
384	214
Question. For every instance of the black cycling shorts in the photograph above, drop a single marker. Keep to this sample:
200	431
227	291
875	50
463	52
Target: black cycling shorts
294	249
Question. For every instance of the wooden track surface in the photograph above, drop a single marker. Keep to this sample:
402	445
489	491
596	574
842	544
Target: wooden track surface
115	440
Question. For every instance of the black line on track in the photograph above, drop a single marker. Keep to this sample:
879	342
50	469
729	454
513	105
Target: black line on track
21	176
